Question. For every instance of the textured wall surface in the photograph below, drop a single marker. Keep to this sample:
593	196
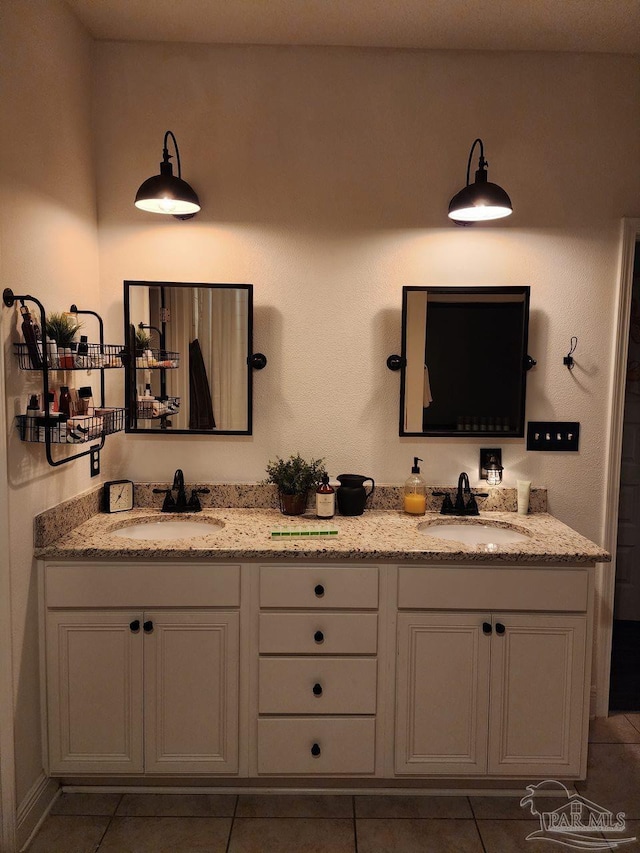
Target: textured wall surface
325	176
50	250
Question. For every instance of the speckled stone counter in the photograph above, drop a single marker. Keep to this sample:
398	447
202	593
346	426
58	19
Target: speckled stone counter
378	535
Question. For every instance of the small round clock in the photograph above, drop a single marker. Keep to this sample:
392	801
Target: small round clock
118	495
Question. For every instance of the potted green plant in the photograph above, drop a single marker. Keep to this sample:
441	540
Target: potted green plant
143	341
61	328
294	477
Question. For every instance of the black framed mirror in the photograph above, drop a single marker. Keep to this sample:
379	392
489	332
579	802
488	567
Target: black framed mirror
191	364
464	361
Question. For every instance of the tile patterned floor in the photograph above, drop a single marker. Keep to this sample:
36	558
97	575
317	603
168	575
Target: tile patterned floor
225	823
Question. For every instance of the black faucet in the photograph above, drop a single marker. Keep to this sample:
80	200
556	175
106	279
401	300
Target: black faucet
180	504
461	507
178	485
463	489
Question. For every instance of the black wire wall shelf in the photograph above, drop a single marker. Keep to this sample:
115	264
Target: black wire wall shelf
157	359
99	421
96	356
155	408
78	429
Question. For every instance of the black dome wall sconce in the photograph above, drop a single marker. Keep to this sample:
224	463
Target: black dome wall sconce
481	200
165	193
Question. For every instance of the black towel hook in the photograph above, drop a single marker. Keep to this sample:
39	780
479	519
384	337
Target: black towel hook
568	360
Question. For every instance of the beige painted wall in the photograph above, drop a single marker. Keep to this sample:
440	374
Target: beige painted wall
48	249
324	176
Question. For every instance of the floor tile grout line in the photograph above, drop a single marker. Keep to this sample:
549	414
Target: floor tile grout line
473	811
632	723
475	820
355	824
109	822
233	820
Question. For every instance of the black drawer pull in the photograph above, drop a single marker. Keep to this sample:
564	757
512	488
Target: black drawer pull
148	626
486	627
319	590
135	625
315	750
317	689
500	629
318	637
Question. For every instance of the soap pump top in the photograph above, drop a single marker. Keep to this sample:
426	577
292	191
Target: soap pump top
415	491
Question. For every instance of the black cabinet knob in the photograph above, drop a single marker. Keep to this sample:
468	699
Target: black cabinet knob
317	689
486	627
318	637
500	629
319	590
135	625
315	750
148	626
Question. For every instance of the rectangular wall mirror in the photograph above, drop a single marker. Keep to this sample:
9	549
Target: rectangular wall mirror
464	356
190	366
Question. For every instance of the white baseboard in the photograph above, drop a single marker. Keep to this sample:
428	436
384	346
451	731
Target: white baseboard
34	808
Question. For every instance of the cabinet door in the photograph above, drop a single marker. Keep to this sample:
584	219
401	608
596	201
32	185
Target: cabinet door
442	693
191	691
537	694
94	691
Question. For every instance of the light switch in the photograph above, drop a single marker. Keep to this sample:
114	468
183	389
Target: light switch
553	435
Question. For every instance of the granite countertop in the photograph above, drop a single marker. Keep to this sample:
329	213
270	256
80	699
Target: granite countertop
382	535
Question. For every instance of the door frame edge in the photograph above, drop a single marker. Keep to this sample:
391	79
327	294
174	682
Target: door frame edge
605	576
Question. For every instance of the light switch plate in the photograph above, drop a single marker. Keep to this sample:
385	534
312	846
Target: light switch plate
553	435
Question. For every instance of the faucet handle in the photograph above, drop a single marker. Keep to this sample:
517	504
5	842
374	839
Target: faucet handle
471	507
447	506
194	501
168	504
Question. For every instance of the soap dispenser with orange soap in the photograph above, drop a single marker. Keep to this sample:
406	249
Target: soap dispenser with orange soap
415	491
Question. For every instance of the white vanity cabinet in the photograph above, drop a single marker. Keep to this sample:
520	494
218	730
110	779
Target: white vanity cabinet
496	686
134	688
317	670
337	670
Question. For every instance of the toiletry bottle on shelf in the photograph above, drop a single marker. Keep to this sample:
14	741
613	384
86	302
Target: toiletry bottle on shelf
85	400
82	353
33	413
325	499
415	491
64	403
30	335
53	359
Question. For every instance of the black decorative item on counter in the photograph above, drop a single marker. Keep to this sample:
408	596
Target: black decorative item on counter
352	495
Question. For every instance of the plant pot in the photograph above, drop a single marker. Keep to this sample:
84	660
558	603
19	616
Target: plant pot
292	504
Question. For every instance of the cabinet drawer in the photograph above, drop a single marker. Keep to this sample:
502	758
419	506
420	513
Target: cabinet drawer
346	746
317	686
457	587
318	633
142	585
319	587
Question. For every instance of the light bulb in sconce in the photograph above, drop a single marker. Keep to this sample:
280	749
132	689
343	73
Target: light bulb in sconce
481	200
167	204
491	466
165	193
494	473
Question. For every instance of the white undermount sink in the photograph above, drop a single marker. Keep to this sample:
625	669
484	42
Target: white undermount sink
473	533
171	528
